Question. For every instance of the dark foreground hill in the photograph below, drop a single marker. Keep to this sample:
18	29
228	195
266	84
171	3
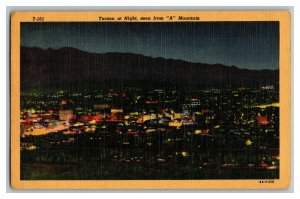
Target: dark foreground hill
73	68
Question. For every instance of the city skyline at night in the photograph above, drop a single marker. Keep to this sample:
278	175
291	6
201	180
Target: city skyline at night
148	101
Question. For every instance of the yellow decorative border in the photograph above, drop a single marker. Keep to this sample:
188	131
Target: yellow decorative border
284	19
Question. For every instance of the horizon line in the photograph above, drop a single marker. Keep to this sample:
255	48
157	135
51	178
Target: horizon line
174	59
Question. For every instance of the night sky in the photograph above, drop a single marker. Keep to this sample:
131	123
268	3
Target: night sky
251	45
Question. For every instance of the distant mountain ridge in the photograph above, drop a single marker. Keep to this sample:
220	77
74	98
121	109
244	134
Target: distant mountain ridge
73	68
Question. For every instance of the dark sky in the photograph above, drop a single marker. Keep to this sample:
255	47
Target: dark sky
251	45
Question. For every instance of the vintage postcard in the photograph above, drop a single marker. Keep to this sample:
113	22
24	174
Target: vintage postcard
151	100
